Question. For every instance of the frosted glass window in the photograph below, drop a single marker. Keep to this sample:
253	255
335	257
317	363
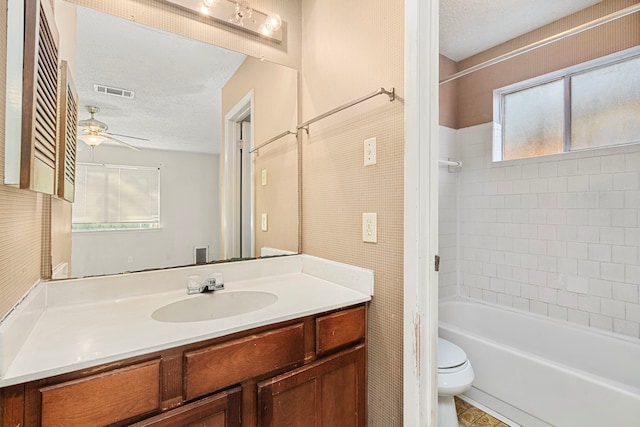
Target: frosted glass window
116	197
533	121
590	105
605	106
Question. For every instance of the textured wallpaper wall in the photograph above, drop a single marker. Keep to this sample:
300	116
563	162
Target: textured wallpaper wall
349	50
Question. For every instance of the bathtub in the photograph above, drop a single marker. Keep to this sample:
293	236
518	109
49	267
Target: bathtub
538	371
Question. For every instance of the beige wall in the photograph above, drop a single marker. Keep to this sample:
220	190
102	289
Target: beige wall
350	49
275	106
475	91
448	94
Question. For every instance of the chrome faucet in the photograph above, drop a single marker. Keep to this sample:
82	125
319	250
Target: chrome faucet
208	285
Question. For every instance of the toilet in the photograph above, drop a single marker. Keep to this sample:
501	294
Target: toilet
455	376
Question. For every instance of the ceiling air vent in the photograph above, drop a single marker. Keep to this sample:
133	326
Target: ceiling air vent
108	90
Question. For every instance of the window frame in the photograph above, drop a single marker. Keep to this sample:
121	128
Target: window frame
564	74
84	227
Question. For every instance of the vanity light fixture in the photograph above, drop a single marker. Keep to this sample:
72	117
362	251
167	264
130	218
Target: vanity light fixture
243	10
207	4
239	14
271	24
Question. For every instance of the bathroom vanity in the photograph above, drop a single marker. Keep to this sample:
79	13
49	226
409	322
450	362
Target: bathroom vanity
299	361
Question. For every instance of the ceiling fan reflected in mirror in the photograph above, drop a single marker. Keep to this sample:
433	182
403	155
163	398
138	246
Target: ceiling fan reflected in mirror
94	132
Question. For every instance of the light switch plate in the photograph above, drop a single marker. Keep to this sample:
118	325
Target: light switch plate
370	151
263	225
264	177
370	227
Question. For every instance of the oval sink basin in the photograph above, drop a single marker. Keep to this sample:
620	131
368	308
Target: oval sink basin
216	305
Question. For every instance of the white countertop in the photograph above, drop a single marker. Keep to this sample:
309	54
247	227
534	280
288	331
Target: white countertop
72	333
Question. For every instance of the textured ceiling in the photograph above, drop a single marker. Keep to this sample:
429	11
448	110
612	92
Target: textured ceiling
177	82
468	27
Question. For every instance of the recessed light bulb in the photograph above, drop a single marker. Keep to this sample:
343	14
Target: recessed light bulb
265	30
273	22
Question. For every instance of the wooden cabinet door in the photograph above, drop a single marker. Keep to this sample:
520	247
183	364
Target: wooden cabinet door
220	410
330	392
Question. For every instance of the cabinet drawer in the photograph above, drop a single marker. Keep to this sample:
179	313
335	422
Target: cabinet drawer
103	399
219	366
339	329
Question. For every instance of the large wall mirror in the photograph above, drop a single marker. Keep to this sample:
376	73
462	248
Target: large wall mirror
183	120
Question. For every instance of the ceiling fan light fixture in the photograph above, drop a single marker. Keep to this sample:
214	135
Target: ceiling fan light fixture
91	124
94	132
92	139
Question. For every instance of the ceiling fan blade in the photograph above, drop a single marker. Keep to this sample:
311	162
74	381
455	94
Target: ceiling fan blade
122	142
128	136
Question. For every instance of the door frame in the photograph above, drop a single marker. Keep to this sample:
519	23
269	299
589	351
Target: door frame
230	198
420	323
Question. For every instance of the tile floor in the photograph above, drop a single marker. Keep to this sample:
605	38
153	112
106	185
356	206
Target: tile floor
470	416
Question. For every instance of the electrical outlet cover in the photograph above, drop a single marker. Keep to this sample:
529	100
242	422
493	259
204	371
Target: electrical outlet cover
370	227
370	151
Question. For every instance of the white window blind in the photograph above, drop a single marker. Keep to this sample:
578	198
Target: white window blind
112	197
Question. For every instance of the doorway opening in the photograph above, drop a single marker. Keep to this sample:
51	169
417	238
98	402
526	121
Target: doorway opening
238	208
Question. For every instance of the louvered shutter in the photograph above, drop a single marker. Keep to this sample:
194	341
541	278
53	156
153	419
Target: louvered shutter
40	94
68	134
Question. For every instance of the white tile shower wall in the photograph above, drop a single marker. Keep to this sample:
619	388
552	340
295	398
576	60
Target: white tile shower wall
557	236
448	215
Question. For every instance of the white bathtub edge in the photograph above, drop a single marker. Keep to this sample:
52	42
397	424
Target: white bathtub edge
545	319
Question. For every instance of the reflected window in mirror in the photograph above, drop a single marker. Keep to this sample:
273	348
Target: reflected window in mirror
111	197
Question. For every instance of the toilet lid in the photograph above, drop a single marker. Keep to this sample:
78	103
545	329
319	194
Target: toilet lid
449	354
